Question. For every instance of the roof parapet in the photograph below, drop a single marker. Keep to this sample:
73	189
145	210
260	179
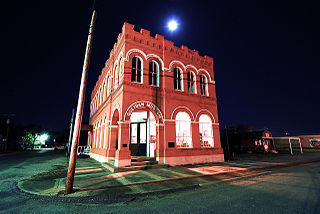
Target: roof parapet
159	37
127	27
144	32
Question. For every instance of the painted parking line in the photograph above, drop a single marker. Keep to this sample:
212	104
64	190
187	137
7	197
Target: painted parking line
88	170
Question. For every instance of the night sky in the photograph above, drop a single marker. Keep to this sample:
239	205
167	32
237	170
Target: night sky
266	56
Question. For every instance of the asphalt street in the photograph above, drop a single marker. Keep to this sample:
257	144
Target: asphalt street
293	189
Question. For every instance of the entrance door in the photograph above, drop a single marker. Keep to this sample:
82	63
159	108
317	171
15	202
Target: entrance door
138	138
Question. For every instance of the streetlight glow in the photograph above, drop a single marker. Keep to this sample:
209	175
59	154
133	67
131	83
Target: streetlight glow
172	25
43	138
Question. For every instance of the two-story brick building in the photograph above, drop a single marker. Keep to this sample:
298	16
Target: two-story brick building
157	100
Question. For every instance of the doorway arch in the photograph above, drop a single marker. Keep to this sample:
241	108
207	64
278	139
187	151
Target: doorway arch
144	118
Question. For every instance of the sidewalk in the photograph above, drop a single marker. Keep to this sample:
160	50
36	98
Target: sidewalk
93	179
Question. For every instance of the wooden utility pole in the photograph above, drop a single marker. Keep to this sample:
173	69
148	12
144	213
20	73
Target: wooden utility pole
77	125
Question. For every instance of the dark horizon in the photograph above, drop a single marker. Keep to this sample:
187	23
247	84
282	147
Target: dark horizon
266	57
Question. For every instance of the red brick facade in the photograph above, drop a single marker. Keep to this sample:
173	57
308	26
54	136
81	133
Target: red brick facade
144	85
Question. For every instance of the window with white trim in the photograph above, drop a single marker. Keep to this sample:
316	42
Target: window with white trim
205	129
177	78
100	96
190	79
136	69
98	100
116	76
183	130
153	73
104	90
121	70
95	103
108	86
203	84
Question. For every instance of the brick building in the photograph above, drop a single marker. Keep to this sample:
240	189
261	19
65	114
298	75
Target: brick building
156	100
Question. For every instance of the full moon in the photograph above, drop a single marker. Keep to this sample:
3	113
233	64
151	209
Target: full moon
172	25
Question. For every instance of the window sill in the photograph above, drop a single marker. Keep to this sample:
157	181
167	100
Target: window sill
192	92
206	147
136	82
155	86
180	90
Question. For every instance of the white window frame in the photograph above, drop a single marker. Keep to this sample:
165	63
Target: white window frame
157	70
141	69
183	140
207	140
206	85
116	76
181	78
194	82
121	70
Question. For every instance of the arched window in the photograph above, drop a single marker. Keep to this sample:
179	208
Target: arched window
136	69
93	105
205	129
183	130
121	70
191	85
98	98
97	101
101	134
116	76
177	78
203	84
101	95
153	73
108	86
104	91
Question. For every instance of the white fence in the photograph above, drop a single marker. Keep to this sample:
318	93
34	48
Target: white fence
287	143
85	150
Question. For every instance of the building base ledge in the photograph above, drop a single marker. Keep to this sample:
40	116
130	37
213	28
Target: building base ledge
182	160
99	158
122	163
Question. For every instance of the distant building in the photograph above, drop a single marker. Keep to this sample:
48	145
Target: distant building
243	139
156	100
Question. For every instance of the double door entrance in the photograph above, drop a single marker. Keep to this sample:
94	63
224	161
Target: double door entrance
138	138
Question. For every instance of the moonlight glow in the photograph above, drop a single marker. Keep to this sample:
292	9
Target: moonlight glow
172	25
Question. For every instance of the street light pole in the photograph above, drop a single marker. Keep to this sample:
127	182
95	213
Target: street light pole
70	133
78	120
8	126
